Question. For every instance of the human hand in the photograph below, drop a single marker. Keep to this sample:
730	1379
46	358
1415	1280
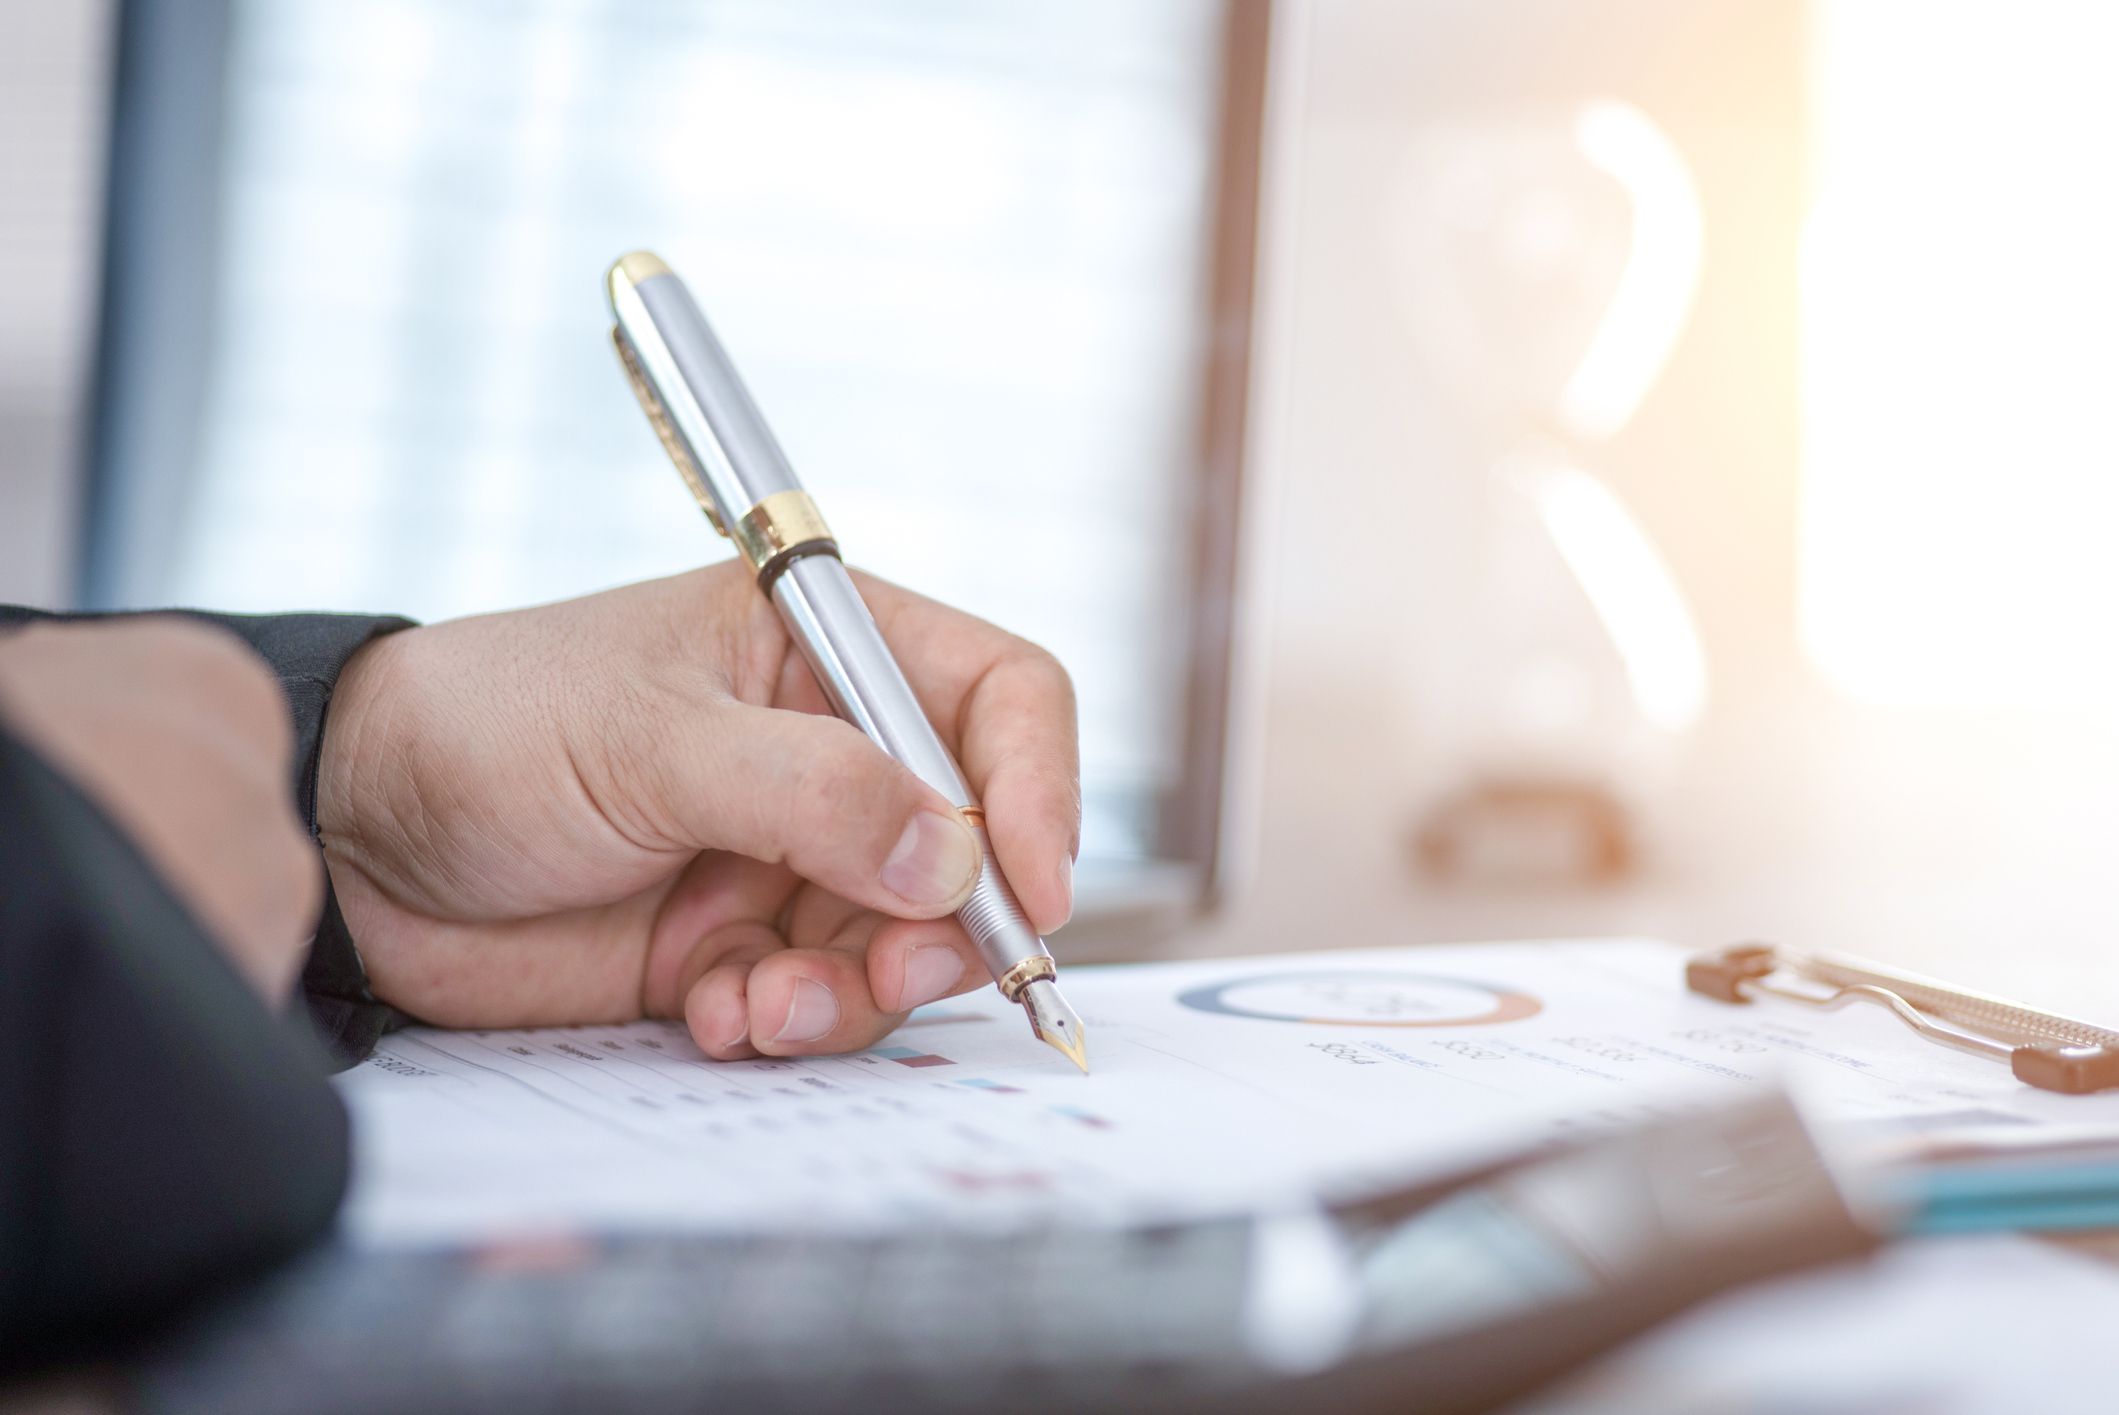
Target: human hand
637	804
181	735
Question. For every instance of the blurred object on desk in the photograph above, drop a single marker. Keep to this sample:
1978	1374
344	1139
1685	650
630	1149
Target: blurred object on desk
1969	841
1549	266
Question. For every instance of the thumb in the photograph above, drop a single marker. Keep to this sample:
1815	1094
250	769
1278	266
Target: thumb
812	793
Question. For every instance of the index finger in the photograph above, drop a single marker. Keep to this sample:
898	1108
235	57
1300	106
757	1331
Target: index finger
1005	707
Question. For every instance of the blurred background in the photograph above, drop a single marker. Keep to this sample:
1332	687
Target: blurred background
1496	468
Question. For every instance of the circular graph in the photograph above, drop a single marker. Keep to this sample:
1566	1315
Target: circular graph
1363	999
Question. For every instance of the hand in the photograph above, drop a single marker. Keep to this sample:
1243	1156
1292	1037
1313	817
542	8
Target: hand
181	736
636	804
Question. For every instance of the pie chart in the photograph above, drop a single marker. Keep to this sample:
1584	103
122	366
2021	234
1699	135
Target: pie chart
1354	998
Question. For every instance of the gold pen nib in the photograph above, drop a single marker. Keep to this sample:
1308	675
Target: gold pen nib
1054	1021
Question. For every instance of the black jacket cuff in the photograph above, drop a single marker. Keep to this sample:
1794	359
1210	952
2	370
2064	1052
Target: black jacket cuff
308	652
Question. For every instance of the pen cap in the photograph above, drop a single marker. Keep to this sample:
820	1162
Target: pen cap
735	462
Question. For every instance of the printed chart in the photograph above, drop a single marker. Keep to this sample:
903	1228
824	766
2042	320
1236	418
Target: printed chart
1214	1085
1349	997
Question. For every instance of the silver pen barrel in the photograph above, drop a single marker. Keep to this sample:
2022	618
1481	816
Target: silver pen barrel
838	638
736	471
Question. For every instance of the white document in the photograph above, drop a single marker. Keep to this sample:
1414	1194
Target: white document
1214	1084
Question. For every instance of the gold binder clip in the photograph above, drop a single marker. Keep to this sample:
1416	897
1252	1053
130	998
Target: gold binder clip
2043	1049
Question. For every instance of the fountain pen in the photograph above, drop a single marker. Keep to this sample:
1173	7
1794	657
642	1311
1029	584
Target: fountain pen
737	473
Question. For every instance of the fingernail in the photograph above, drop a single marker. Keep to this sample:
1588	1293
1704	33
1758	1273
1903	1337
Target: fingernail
811	1013
931	970
1066	882
935	860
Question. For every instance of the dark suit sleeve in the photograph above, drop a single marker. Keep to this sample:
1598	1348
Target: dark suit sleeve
162	1132
308	651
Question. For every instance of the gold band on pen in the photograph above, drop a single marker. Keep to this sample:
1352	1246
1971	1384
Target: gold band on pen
778	529
1025	973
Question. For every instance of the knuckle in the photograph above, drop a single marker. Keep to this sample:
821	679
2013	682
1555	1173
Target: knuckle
1055	795
1061	785
844	778
1044	670
847	790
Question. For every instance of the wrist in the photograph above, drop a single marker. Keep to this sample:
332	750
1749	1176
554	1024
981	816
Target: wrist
354	753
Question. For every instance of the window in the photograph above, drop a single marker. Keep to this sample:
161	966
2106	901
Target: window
959	251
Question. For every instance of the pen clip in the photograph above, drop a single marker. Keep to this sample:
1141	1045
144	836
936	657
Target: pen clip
658	417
